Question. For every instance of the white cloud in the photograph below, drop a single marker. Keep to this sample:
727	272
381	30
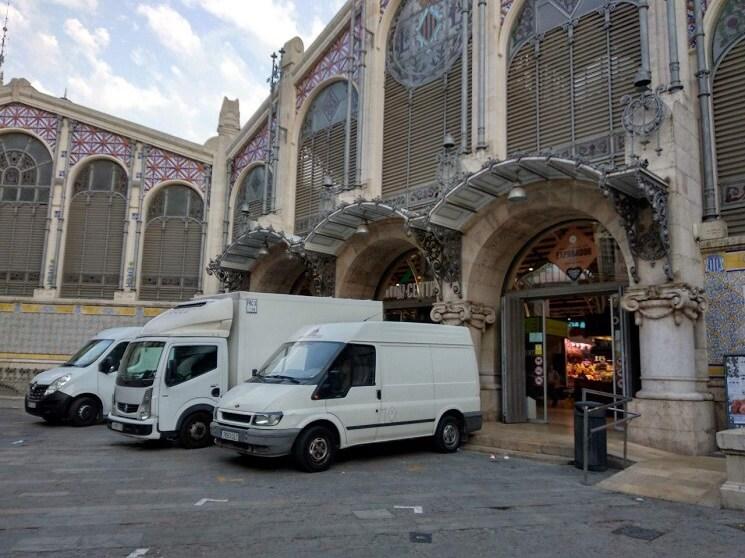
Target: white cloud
89	42
82	5
48	45
172	29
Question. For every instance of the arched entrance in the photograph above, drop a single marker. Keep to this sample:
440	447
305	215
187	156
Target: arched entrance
408	289
562	326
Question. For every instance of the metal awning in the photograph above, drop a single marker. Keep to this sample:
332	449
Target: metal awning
328	236
243	253
461	204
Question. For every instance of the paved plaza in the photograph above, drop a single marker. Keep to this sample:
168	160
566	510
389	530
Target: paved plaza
89	492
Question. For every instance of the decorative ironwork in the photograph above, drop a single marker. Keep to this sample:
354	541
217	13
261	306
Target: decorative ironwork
322	269
442	249
643	115
162	165
646	223
449	167
254	150
231	279
692	22
426	41
88	140
44	124
334	62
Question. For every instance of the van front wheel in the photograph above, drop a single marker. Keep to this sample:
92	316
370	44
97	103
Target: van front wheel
84	411
448	435
195	431
314	449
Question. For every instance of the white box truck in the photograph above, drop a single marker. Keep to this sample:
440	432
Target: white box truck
79	391
333	386
173	374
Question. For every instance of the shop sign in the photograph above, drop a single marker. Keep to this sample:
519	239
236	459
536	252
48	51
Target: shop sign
734	261
573	253
413	290
734	376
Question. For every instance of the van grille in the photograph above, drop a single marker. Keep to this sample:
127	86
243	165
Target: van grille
236	417
127	407
36	391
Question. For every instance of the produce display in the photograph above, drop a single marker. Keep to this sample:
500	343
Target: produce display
581	362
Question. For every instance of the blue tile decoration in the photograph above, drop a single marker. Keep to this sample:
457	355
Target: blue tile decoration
725	317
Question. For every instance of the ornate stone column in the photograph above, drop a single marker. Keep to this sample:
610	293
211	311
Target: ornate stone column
677	412
477	318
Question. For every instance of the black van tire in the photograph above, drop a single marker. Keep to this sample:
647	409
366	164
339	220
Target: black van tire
314	449
448	434
195	431
84	411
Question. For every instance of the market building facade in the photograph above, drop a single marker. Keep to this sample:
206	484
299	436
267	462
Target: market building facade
562	177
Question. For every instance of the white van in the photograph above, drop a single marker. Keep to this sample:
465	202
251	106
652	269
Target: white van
339	385
80	390
174	373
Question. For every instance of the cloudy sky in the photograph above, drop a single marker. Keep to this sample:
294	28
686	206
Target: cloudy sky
162	63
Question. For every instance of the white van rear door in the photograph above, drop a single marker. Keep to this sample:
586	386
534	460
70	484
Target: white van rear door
407	391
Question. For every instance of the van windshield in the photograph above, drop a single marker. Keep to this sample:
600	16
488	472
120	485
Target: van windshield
89	353
140	363
300	362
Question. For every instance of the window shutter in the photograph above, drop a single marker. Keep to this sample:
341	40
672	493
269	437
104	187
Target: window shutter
22	233
521	102
554	94
729	117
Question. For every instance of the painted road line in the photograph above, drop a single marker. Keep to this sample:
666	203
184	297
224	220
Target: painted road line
137	552
203	501
126	491
417	509
43	494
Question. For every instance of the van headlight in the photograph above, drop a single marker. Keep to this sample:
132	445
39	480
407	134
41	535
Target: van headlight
143	412
58	384
267	419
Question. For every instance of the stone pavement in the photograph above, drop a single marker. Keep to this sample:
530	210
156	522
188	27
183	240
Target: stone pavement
89	492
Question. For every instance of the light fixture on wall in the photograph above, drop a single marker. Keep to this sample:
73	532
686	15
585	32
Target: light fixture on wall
264	250
244	208
517	194
362	228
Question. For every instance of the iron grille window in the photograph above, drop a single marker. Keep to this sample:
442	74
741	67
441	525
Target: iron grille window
571	62
321	152
25	184
172	248
95	232
729	113
251	192
422	97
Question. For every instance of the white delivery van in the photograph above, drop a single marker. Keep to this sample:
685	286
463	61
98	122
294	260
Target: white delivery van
172	376
80	390
339	385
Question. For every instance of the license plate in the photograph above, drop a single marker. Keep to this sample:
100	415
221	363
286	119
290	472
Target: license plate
32	404
232	436
117	426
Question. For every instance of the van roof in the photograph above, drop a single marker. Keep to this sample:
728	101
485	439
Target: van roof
386	332
118	333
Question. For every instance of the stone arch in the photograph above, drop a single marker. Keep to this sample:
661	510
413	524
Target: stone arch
278	272
363	260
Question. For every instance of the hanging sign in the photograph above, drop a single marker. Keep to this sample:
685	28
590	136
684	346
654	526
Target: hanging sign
573	253
734	382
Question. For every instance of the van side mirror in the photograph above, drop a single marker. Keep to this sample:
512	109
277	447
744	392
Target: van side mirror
106	365
254	372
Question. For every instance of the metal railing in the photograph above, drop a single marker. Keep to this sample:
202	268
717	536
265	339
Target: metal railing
618	406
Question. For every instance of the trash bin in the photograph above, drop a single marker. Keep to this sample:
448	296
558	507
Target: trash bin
597	452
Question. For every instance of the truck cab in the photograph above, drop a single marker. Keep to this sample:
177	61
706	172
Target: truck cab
80	391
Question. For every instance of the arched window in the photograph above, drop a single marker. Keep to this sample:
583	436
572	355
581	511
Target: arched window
172	249
422	96
321	152
95	232
25	183
570	64
408	289
251	192
728	51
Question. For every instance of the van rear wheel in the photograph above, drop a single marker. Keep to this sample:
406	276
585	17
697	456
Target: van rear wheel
448	435
195	431
314	449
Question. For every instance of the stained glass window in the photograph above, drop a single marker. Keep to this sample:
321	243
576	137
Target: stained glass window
426	40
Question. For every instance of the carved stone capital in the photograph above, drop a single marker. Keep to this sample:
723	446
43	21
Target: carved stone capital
678	300
467	313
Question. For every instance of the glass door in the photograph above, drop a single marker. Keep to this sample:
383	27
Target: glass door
536	368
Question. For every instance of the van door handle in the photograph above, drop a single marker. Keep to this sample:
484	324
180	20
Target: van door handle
379	394
216	392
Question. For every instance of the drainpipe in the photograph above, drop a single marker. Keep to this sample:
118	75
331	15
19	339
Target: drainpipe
481	137
710	194
644	75
464	100
672	41
350	92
